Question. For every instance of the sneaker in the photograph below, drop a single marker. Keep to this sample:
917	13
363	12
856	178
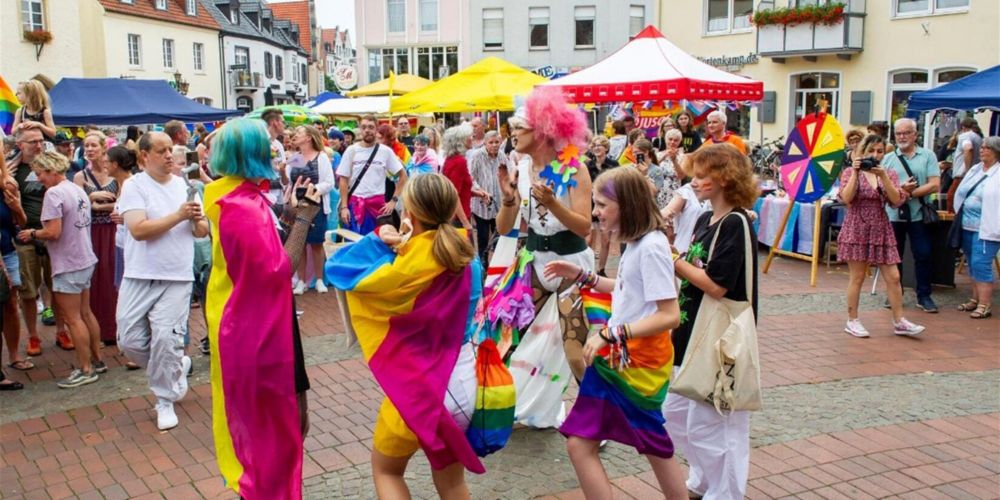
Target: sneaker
48	317
299	289
64	342
185	371
78	378
34	346
321	287
927	305
856	329
100	366
205	347
165	416
905	327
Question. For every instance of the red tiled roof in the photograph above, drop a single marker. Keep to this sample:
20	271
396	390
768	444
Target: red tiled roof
298	13
175	13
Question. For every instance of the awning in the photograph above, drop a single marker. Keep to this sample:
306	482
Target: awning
356	106
488	85
115	101
404	83
978	90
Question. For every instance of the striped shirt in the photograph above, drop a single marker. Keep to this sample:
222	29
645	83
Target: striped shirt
486	176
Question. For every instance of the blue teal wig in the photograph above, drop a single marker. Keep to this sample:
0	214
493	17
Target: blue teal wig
242	148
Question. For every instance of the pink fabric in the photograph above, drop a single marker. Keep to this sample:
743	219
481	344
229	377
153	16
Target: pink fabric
365	211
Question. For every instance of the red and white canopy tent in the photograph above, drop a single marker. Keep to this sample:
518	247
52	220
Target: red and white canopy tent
650	68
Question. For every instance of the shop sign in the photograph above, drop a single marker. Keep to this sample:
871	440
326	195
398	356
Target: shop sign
345	77
731	63
544	71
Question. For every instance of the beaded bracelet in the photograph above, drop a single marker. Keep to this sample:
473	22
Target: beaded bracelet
587	279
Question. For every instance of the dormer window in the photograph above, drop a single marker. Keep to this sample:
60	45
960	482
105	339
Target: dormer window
234	11
161	4
191	7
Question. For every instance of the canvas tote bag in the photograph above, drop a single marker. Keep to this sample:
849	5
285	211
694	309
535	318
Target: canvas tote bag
722	366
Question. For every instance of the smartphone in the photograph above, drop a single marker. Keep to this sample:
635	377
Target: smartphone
640	157
192	159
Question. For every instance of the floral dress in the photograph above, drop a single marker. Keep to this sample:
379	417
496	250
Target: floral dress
866	235
665	179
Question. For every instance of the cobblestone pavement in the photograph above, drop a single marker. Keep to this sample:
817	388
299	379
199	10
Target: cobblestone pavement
843	417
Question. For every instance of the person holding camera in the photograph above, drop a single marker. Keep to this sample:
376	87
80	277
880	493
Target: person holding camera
866	238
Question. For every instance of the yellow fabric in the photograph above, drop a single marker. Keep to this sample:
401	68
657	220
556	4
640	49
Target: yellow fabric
220	285
402	84
392	437
495	398
488	85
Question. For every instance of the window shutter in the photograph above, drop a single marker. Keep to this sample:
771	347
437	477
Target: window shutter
766	112
861	107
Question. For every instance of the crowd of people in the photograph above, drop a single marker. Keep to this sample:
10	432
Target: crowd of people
123	239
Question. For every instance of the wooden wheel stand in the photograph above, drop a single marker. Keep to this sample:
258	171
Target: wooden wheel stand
775	245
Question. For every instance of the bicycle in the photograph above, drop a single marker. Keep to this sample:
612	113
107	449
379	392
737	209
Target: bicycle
766	159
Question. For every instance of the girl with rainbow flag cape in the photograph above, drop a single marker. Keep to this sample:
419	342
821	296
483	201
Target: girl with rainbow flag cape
411	299
630	359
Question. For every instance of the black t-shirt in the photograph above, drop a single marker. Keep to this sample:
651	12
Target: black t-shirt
32	194
725	268
690	140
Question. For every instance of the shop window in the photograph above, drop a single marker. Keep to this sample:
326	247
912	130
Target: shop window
435	63
902	83
927	7
809	90
584	17
374	65
725	16
492	29
538	20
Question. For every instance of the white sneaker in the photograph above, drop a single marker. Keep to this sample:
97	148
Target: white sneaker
185	368
165	416
299	288
321	287
905	327
855	328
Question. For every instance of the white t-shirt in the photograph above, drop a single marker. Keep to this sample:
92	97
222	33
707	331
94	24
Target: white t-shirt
645	275
353	162
967	141
170	256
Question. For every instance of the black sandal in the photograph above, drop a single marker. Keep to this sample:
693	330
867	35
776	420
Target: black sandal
12	386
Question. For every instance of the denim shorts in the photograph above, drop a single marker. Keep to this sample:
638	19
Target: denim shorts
73	282
13	265
979	255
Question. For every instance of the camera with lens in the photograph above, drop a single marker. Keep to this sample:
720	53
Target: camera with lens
868	163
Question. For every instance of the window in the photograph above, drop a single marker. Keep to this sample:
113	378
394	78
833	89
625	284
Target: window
294	74
636	19
244	104
161	4
724	16
234	16
199	57
168	53
396	15
279	70
808	89
207	101
436	62
428	15
538	20
949	75
32	17
268	65
191	7
492	29
374	65
134	50
130	2
396	60
584	17
304	73
241	56
927	7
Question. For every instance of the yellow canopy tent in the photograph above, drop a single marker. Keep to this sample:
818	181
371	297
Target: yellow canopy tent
404	83
488	85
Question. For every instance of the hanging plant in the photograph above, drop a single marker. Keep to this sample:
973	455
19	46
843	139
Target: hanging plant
826	14
38	36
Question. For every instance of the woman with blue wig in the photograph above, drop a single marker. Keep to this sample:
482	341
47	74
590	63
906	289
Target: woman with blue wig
257	369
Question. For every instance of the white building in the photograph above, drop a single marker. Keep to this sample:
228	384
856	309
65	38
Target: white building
262	61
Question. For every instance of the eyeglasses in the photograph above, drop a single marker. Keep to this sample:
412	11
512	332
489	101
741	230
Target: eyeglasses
36	141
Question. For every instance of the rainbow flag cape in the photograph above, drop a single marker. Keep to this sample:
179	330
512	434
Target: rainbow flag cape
624	405
8	105
255	417
596	308
411	317
492	421
402	152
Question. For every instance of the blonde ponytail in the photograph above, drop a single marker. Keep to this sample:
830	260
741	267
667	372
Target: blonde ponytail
433	200
451	249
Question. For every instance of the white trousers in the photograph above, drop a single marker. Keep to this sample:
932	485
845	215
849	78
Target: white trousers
717	447
152	320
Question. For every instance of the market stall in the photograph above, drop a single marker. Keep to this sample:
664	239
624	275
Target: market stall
488	85
355	106
116	101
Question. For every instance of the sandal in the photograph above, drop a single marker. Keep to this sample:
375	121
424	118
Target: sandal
968	306
13	385
23	365
981	312
132	365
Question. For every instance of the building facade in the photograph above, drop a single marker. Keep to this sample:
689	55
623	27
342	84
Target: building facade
302	13
864	65
337	51
426	38
261	59
172	40
555	36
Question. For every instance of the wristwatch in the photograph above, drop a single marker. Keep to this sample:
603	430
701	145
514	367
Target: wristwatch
395	199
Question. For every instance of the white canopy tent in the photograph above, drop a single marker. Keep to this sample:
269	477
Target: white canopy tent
354	106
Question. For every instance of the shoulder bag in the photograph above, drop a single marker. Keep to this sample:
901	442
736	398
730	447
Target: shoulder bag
955	231
721	366
928	213
364	171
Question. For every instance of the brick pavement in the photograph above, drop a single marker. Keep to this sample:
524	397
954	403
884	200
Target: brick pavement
112	449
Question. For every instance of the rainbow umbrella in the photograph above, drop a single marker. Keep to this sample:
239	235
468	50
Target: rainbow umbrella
293	113
813	156
8	105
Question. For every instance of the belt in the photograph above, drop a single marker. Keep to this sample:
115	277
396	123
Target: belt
563	243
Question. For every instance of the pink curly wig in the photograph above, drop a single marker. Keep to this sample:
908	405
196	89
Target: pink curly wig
553	119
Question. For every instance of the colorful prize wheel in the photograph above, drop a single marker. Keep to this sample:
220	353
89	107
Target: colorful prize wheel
812	158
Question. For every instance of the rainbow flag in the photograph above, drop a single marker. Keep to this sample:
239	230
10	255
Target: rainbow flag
625	405
493	419
255	417
8	105
411	317
402	152
596	308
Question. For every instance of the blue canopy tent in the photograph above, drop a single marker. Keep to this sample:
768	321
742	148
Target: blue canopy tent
977	91
115	101
321	98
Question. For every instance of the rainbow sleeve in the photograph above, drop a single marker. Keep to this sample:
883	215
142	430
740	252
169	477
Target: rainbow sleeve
8	106
411	317
255	418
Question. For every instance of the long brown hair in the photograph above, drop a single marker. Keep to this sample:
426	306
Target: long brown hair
433	200
637	211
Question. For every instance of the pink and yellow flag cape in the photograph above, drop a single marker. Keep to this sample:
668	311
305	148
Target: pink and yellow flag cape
411	316
255	418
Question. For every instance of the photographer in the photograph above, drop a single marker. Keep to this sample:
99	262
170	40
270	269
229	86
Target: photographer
866	237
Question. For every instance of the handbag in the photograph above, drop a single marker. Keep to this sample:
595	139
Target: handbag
721	366
928	214
955	231
492	419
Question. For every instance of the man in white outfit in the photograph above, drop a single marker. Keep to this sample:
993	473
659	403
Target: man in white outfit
155	295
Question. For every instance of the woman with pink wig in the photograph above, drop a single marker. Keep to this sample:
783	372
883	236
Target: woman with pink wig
548	132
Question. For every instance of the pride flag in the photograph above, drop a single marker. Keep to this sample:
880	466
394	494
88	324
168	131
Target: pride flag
493	419
411	316
596	308
8	105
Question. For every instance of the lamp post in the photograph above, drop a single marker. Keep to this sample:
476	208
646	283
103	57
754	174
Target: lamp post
182	86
